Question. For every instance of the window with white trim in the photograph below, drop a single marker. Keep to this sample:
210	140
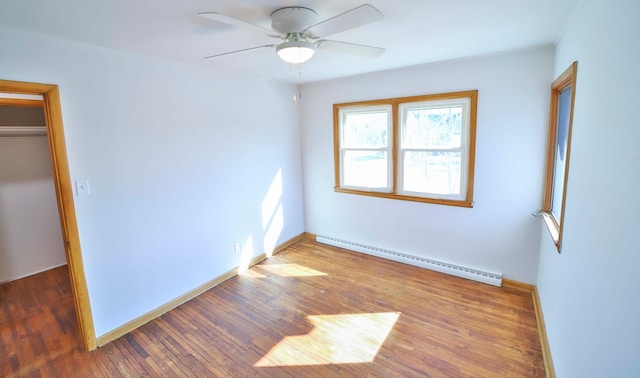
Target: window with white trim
365	148
417	148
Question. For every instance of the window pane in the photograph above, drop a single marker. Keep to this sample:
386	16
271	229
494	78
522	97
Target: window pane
367	169
417	148
564	109
433	127
432	172
365	129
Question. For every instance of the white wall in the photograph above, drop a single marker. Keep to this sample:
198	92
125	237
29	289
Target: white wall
180	160
30	234
590	292
498	234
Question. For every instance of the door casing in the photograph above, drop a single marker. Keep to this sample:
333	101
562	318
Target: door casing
64	196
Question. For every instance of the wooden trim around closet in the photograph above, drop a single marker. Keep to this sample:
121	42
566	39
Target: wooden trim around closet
64	195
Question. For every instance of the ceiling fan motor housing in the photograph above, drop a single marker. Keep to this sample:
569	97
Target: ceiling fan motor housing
292	19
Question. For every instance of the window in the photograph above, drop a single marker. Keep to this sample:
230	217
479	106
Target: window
558	150
366	148
414	148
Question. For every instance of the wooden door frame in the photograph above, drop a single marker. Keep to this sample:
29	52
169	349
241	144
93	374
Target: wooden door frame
64	195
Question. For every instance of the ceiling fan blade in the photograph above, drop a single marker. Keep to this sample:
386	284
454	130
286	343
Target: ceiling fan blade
355	17
214	16
349	48
238	51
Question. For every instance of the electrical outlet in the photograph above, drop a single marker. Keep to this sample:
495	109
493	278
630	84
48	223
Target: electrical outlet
82	187
236	247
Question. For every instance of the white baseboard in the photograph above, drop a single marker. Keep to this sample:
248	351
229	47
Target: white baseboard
494	279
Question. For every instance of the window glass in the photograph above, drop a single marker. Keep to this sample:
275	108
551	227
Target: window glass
432	172
432	149
365	147
417	148
367	169
439	127
564	109
558	152
365	129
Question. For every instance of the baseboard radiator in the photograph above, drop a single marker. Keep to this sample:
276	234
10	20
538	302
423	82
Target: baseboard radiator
422	262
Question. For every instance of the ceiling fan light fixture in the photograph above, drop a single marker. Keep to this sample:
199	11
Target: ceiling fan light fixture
296	51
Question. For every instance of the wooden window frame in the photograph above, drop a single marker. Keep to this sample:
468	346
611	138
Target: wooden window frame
467	201
554	225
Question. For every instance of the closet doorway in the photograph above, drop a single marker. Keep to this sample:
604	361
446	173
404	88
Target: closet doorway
30	237
64	197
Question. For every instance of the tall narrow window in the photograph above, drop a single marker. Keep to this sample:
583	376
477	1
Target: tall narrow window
559	148
417	148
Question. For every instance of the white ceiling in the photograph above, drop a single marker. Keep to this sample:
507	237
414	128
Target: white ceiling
413	31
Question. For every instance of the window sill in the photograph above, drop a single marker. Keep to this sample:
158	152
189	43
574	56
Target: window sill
552	226
437	201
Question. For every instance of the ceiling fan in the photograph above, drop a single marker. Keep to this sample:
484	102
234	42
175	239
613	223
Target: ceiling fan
301	35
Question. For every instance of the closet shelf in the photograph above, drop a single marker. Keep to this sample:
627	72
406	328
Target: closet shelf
17	131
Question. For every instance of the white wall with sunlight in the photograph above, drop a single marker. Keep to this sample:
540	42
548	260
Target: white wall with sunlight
180	160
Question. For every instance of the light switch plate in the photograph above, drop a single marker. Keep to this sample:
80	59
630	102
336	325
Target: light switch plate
82	187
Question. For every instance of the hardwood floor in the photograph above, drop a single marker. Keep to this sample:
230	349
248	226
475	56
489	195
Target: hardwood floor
37	321
311	310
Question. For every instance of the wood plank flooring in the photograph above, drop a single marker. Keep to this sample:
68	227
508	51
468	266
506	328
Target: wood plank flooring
310	311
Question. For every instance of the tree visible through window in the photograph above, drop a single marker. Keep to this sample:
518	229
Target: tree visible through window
413	148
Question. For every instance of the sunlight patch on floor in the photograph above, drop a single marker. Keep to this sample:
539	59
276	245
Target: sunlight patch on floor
335	339
290	270
251	273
